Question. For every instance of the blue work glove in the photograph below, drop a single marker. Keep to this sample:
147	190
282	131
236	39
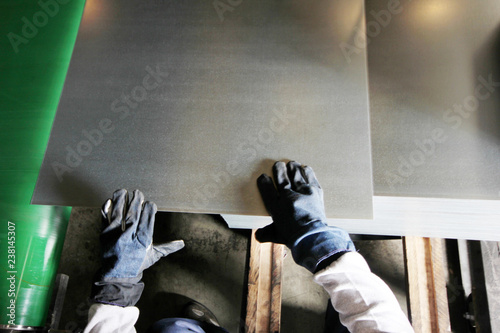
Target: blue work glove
127	246
297	209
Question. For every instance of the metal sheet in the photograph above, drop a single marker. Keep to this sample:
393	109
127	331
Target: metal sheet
191	101
435	97
412	216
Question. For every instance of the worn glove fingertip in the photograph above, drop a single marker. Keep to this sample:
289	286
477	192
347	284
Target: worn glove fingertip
268	192
264	182
106	210
311	176
170	247
150	207
178	245
263	178
265	234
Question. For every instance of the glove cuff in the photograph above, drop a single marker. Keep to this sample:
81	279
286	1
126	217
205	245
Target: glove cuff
120	292
319	242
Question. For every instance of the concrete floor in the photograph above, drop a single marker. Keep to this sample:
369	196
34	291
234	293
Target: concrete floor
210	269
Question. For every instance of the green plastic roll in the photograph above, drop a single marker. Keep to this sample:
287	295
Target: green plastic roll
36	42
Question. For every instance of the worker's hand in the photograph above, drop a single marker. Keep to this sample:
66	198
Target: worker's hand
294	204
127	248
127	238
297	209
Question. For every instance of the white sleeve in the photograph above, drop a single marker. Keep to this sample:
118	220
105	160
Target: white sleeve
364	302
104	318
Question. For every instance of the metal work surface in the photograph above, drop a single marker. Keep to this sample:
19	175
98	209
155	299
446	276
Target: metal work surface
435	97
191	101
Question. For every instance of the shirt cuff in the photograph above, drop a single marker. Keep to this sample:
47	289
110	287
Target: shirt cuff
120	293
320	243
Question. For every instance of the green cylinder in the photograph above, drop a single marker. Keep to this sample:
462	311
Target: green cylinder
34	243
36	42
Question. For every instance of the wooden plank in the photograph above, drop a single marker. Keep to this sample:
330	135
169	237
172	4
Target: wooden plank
264	291
276	279
264	287
428	300
253	285
438	269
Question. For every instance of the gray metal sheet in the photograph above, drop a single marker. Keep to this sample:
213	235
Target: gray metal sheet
435	120
236	85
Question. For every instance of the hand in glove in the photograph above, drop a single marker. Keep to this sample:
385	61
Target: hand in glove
127	246
297	209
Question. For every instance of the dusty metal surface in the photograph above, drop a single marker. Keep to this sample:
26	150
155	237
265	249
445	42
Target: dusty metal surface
191	101
435	97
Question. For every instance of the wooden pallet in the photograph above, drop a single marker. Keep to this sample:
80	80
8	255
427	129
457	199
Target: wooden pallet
264	287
